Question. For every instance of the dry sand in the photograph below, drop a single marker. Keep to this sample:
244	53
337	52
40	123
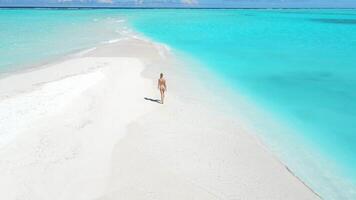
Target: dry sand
80	129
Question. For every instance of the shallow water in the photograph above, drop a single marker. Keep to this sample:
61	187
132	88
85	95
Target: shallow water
34	35
299	65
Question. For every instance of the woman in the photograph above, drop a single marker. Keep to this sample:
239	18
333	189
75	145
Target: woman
162	86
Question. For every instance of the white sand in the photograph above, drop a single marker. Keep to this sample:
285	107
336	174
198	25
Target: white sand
81	129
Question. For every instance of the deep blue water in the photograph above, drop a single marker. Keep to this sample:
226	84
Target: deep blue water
299	65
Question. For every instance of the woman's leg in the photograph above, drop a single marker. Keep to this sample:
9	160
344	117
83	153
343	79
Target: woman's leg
162	95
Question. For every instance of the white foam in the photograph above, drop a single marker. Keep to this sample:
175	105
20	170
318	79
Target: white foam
162	49
85	51
120	20
114	41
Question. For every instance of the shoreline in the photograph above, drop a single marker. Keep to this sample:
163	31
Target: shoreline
208	75
152	148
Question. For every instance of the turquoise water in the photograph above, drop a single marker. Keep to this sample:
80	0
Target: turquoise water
32	36
299	65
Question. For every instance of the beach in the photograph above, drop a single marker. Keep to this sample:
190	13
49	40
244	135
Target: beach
89	127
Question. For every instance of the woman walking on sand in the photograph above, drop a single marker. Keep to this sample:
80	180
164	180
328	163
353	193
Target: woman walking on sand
162	87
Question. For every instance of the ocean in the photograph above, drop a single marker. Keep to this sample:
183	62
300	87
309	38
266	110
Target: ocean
299	65
31	36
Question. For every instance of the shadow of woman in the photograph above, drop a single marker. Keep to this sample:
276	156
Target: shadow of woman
152	100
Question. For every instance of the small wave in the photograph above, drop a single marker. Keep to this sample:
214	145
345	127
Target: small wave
162	49
123	31
85	51
113	41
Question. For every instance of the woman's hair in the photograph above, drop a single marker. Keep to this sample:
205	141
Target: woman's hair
161	75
